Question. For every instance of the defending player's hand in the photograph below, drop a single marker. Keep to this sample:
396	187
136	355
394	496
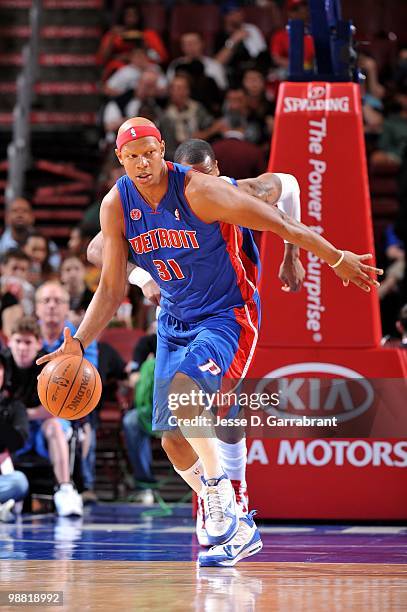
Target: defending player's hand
352	269
70	346
151	291
291	273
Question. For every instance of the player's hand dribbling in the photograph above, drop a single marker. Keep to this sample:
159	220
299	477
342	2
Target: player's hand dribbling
352	269
151	292
70	346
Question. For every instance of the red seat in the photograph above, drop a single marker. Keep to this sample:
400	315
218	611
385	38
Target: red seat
154	17
395	18
194	18
122	339
366	15
267	18
385	207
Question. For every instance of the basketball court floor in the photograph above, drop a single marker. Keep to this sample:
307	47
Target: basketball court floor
117	558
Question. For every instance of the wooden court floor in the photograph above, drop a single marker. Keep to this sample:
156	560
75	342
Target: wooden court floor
120	558
181	586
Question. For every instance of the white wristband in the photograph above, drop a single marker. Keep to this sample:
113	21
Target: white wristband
289	201
335	265
139	277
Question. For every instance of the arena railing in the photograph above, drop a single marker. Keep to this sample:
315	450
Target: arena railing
18	150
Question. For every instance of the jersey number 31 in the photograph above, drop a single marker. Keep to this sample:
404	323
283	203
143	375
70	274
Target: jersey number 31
168	270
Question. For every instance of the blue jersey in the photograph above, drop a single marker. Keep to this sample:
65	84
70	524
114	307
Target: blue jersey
202	268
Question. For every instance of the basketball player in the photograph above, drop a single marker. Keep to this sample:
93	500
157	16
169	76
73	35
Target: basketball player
200	155
184	229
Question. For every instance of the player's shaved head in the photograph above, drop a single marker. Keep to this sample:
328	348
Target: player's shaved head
198	154
134	122
141	151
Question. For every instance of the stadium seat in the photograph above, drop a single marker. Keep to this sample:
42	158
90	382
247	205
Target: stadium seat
122	339
267	18
384	51
154	17
194	18
395	19
368	22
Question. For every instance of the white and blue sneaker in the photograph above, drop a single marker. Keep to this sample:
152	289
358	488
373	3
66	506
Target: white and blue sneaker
246	542
221	518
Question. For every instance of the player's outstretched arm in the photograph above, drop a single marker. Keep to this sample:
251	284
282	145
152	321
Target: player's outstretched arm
214	200
266	187
281	190
112	285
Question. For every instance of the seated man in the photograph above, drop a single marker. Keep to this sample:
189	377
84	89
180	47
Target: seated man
47	434
137	422
13	433
52	308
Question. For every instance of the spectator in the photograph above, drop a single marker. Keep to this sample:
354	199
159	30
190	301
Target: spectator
393	140
401	325
189	118
203	88
112	372
36	246
129	33
17	294
280	43
52	307
260	108
394	247
238	43
13	433
73	279
19	218
77	245
192	49
137	422
90	224
19	223
47	435
236	156
372	93
127	77
236	106
146	91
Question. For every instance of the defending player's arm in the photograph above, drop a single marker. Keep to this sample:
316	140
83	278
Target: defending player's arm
112	285
137	276
214	200
281	190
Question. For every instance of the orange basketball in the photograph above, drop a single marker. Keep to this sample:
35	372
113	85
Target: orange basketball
69	387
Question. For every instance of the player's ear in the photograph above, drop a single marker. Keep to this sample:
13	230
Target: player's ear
399	328
162	147
119	156
217	168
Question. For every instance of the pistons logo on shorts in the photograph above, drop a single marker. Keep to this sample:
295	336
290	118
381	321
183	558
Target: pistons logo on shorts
210	366
135	214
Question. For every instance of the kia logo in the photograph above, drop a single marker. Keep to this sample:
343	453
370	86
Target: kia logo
316	91
334	390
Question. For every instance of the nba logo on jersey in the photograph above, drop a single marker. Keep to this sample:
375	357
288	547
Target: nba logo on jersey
133	132
176	213
135	214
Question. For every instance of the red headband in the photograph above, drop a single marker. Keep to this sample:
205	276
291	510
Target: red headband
134	133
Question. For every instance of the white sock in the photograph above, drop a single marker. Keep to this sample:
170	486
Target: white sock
234	459
207	451
192	476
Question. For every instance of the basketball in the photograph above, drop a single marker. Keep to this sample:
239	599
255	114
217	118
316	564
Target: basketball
69	387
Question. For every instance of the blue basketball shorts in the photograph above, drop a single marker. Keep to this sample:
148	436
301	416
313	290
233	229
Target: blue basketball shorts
209	351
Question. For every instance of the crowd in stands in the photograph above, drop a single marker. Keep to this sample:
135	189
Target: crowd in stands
224	91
